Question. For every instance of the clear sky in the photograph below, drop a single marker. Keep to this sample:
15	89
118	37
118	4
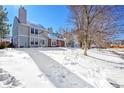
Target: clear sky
55	16
48	16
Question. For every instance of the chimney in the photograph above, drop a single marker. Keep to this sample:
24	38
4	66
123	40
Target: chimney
22	15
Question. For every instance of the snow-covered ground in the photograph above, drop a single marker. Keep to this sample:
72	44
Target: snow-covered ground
17	69
101	68
61	67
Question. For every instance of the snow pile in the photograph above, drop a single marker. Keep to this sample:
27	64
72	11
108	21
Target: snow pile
7	80
19	66
95	69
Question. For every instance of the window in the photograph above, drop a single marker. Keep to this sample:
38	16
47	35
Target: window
36	43
43	42
32	42
54	43
32	30
36	31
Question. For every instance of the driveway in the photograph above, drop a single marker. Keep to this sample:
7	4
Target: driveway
60	76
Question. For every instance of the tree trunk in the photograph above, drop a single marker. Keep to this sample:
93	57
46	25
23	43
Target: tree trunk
85	48
89	44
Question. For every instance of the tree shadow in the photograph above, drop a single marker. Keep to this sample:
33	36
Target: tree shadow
118	54
99	52
113	83
105	60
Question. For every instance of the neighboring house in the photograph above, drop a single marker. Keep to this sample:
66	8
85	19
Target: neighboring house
55	41
25	34
117	44
5	42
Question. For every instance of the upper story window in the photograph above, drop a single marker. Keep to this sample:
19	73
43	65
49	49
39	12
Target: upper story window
36	31
32	30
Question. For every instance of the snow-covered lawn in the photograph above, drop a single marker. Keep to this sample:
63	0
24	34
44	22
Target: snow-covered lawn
99	68
17	69
67	68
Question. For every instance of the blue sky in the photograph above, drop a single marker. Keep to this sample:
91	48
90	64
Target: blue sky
48	16
55	16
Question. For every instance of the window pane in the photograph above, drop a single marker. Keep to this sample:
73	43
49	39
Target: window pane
32	30
36	31
32	42
36	43
43	42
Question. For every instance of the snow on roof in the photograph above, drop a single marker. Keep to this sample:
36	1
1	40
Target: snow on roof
53	36
32	24
36	25
5	40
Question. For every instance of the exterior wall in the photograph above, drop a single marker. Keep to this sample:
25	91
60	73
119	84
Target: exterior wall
60	43
23	30
23	36
20	34
15	32
23	41
39	39
49	42
15	41
38	42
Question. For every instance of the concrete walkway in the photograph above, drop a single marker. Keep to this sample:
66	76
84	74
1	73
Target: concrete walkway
60	76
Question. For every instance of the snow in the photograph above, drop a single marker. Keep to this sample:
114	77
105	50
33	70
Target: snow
61	67
20	65
99	68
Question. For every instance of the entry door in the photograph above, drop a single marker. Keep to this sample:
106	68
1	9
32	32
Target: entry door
42	42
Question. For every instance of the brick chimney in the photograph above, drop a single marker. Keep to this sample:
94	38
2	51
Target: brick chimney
22	15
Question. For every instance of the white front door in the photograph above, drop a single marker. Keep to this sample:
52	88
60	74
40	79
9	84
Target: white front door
42	42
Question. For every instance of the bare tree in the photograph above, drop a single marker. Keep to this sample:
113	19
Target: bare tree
67	35
95	24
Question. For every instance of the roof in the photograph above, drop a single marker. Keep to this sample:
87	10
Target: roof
36	25
17	19
5	39
53	36
32	24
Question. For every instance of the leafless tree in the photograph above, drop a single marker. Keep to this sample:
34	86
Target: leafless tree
67	35
94	24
